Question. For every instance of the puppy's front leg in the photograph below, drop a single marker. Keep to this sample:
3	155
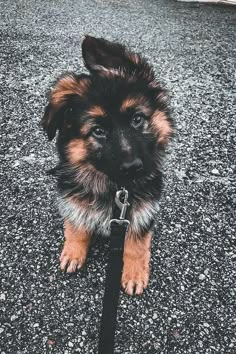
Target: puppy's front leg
75	248
136	264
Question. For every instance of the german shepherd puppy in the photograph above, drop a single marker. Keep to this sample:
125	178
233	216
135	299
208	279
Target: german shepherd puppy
113	125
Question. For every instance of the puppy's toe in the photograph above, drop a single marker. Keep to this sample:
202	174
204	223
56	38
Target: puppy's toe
73	266
139	288
129	287
64	261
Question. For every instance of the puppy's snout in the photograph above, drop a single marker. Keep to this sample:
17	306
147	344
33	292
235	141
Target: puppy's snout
132	167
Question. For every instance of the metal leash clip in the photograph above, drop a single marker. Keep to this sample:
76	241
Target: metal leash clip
121	200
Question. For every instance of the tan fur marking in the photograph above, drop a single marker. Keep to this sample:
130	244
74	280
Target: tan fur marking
136	59
76	151
68	85
75	248
133	102
96	111
161	126
86	128
136	264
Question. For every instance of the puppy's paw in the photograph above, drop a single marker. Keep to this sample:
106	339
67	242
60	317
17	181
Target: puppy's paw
136	264
135	276
73	256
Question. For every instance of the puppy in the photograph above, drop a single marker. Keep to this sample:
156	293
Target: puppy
113	125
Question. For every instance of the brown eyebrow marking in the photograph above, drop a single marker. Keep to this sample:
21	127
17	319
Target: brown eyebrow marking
134	102
130	102
96	111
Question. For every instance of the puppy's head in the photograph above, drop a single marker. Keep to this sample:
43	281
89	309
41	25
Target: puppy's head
115	119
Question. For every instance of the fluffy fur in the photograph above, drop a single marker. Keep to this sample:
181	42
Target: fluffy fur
113	125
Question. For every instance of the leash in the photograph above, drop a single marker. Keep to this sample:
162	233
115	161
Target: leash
114	269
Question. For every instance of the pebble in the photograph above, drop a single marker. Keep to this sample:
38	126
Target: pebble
205	324
215	172
13	317
3	296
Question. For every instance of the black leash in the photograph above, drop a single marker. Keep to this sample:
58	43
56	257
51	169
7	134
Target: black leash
113	277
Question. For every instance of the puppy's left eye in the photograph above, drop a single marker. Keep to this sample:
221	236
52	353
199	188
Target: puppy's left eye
137	120
98	132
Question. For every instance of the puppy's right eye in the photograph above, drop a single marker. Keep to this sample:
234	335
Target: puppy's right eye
137	120
98	132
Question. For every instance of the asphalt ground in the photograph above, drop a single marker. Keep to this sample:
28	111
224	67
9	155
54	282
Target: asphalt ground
189	305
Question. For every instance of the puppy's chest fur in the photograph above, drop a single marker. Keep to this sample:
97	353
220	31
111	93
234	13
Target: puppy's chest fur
85	207
94	216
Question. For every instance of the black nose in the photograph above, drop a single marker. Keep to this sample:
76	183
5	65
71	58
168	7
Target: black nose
130	168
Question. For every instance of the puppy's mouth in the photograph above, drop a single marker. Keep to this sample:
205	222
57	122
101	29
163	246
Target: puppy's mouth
127	177
130	170
132	176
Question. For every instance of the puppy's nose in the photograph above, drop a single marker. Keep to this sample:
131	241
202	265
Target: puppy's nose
129	168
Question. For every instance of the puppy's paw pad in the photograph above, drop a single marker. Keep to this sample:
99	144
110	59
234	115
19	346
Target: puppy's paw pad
72	257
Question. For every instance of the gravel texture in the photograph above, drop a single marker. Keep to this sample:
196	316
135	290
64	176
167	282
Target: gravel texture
188	307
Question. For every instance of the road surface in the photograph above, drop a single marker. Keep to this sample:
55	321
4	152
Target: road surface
188	307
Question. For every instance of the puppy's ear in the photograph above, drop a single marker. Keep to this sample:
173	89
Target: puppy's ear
102	56
67	89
